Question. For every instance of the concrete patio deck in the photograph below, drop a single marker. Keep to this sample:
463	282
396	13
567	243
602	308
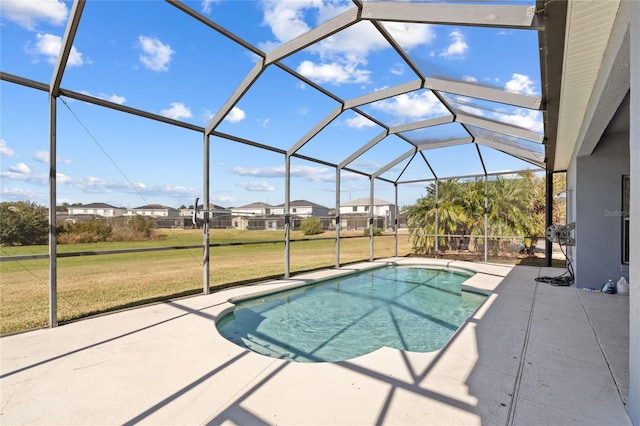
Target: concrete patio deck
532	354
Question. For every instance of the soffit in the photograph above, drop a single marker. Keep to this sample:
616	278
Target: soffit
588	28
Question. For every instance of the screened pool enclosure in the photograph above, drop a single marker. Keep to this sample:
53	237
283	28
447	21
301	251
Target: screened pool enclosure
369	95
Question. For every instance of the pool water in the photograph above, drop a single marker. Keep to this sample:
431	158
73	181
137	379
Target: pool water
408	308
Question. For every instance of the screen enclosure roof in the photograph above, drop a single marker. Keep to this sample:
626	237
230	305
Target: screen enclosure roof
390	89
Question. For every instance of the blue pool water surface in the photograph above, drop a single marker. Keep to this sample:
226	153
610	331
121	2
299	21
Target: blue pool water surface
404	307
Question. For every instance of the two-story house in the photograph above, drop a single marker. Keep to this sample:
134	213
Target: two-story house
96	209
153	210
302	208
355	214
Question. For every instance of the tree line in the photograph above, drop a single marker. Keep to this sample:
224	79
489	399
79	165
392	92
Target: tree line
515	206
25	223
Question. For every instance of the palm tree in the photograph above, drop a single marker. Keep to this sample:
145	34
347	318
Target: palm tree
516	206
508	199
536	206
472	202
421	217
451	218
507	209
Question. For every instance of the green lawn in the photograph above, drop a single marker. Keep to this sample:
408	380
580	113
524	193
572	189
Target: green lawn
89	285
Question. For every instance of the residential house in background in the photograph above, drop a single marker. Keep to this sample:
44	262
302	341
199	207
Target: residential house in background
214	210
302	208
255	216
254	209
263	216
153	210
355	214
96	209
219	217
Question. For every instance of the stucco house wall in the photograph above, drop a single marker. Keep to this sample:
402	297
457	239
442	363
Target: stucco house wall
598	214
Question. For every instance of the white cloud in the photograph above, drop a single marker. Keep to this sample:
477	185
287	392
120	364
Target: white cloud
116	99
21	194
365	164
206	6
469	79
207	115
41	156
526	119
309	173
520	83
235	115
177	111
458	47
342	56
471	109
334	73
397	69
414	105
286	18
94	185
38	179
269	172
155	54
5	151
224	199
173	191
410	36
467	104
49	45
257	186
20	168
359	122
27	13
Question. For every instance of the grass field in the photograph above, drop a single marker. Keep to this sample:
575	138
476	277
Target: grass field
88	285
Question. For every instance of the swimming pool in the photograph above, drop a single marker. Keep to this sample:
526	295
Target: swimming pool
411	308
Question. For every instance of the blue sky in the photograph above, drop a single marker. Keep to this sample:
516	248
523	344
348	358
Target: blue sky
151	56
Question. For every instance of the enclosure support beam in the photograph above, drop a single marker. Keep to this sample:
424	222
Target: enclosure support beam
548	248
371	191
54	91
338	226
499	127
435	247
53	252
490	15
486	220
287	217
206	288
395	219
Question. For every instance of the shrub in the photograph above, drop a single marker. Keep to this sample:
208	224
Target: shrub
376	232
126	234
23	223
311	226
138	228
86	231
141	225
